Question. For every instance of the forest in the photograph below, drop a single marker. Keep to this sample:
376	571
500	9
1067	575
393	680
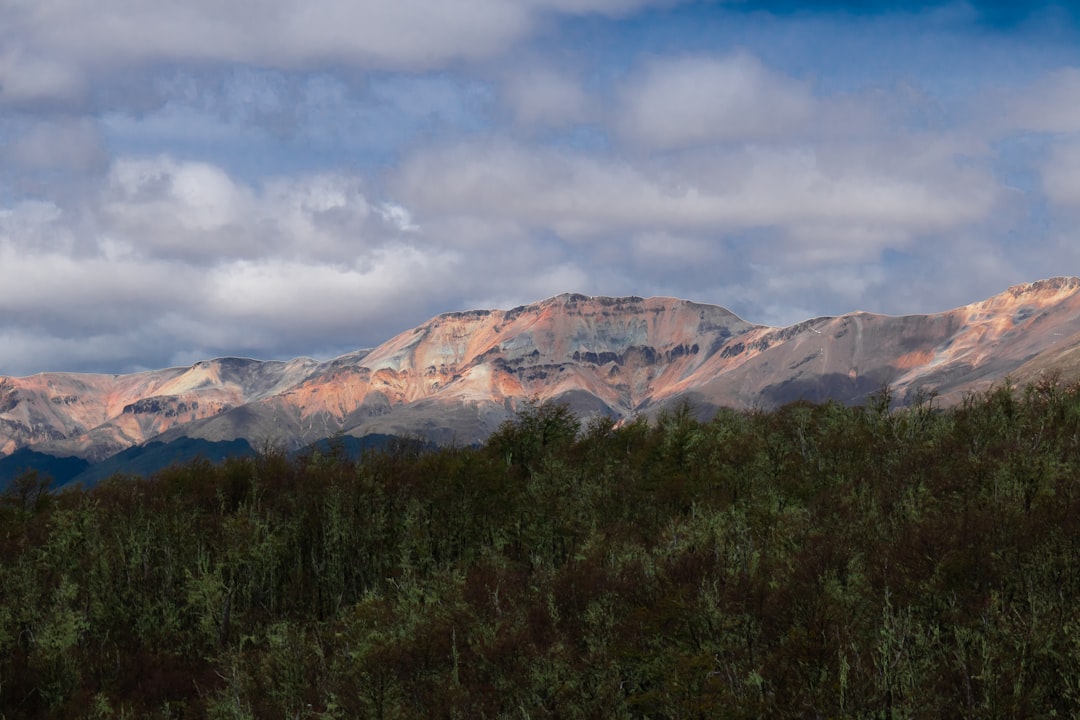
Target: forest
812	561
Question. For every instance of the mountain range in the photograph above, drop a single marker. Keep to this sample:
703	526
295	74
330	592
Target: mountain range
456	377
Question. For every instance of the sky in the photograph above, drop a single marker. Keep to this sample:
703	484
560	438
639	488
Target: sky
284	178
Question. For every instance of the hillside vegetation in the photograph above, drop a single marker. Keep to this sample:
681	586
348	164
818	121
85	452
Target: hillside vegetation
813	561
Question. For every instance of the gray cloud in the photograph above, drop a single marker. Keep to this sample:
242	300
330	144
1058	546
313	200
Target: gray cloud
66	143
1061	175
545	97
807	191
56	293
689	101
1051	105
53	47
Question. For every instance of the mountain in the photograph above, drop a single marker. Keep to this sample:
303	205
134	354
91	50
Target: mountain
457	376
94	416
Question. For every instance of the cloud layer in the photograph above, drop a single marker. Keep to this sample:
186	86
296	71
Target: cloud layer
54	48
178	182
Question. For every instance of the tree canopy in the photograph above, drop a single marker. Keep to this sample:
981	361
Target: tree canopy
813	561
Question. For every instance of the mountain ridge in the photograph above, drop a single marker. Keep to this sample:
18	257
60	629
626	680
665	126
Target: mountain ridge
455	377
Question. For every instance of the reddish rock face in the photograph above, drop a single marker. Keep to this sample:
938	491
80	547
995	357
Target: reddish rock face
457	376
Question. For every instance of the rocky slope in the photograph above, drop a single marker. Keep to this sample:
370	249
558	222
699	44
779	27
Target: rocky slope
454	378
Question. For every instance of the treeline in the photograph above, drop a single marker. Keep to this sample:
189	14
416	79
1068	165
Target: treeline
813	561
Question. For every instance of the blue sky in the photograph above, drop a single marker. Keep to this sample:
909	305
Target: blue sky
274	179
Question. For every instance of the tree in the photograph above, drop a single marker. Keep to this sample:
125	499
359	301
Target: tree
537	430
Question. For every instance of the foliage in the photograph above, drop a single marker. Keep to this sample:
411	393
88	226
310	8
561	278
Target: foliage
813	561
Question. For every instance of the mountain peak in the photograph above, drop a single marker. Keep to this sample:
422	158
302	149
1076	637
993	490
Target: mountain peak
458	375
1049	286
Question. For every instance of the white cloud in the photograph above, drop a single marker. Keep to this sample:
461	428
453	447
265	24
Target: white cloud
686	101
196	211
180	257
305	297
324	217
55	292
178	209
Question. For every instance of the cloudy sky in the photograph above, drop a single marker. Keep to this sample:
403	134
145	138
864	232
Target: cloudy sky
280	178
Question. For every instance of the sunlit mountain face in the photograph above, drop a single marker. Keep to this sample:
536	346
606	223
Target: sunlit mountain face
455	378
